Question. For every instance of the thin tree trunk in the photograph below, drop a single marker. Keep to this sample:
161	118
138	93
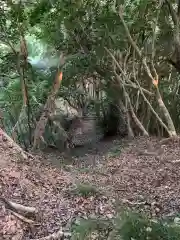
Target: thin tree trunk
171	129
49	107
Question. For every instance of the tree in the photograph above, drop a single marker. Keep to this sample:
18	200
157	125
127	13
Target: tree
128	58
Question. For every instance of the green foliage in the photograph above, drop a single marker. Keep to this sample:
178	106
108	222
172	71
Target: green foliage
141	228
84	170
85	190
127	226
91	228
115	151
82	29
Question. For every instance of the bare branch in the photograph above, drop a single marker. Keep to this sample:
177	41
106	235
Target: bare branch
136	120
154	39
49	106
170	129
172	12
123	73
132	85
153	111
134	45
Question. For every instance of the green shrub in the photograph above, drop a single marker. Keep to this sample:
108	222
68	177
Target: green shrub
128	226
114	152
85	190
135	226
91	229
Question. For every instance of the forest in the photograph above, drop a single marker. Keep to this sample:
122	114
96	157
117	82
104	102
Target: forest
89	119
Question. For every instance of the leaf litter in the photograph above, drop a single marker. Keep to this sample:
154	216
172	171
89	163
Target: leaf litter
143	174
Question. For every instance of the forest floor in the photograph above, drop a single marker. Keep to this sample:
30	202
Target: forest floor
142	174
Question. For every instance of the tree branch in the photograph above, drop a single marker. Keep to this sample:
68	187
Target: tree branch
170	129
123	73
172	12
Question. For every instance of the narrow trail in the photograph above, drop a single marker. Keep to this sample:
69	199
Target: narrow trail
143	174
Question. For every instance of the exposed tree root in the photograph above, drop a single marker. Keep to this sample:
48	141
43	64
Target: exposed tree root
170	139
18	207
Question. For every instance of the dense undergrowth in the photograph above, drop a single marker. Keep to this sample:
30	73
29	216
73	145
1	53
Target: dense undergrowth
128	226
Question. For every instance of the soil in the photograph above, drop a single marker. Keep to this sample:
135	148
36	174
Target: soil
142	173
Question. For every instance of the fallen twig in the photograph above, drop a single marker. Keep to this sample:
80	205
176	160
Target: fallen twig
147	153
169	140
18	207
24	219
134	203
175	161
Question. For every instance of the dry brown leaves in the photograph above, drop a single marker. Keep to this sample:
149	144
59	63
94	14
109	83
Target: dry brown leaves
151	178
148	182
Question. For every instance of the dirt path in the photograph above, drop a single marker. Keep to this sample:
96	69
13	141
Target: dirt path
143	173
